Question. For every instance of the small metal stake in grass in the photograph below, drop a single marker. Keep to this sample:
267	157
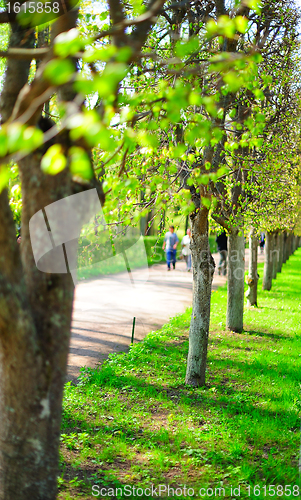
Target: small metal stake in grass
133	329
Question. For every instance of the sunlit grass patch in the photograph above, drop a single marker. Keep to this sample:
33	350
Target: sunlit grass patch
133	420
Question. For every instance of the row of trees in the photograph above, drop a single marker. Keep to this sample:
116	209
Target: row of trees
279	246
185	103
233	104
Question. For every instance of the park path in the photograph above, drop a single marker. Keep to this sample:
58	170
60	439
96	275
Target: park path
104	309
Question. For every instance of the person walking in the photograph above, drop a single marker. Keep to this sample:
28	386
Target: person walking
170	244
222	247
262	242
186	252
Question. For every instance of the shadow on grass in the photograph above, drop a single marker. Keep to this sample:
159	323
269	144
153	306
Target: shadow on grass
262	333
180	396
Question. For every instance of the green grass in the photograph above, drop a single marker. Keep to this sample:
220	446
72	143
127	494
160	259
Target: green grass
133	421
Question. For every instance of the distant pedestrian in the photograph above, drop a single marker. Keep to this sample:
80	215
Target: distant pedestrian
186	252
170	244
222	247
262	242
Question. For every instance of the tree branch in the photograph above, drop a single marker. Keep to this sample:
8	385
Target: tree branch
25	54
17	72
145	19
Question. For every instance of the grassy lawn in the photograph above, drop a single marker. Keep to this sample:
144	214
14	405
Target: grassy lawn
134	422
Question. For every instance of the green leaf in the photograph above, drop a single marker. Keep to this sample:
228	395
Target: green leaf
182	49
104	54
206	202
178	151
84	85
234	81
68	43
210	105
254	5
220	113
32	138
53	161
204	179
59	71
113	73
195	99
241	24
224	27
103	15
147	140
4	177
3	143
80	163
259	94
14	136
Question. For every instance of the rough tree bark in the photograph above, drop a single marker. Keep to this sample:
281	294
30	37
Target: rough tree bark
280	246
34	328
284	247
275	255
236	274
33	353
251	293
203	269
295	243
268	262
289	246
292	244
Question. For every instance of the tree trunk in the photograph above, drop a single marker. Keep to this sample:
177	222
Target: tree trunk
284	247
236	274
275	255
31	397
203	268
268	262
292	243
280	255
35	318
288	246
35	321
34	344
251	293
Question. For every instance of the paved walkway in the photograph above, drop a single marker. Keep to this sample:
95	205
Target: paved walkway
104	309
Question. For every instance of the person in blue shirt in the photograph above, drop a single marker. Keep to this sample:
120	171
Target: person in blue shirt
170	244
